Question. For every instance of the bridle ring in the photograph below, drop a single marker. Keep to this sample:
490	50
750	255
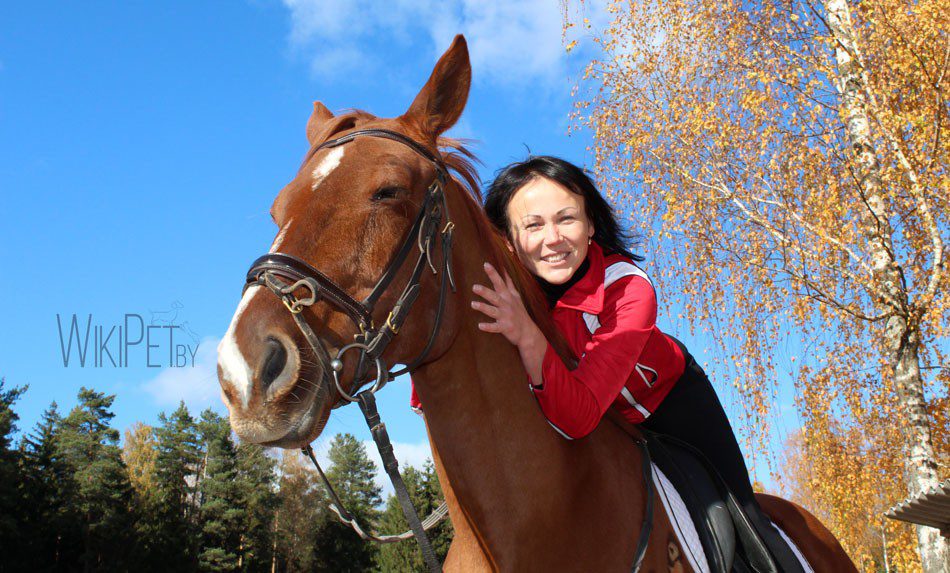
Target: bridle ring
336	366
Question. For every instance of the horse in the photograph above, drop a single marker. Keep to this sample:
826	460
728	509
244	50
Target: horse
520	497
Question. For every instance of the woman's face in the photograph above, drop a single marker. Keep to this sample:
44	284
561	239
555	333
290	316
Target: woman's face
549	228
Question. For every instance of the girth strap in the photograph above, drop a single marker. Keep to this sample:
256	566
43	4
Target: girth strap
647	527
646	461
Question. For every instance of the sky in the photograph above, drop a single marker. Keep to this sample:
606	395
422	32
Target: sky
142	144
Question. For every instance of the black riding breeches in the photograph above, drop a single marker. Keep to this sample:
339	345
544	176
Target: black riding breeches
693	413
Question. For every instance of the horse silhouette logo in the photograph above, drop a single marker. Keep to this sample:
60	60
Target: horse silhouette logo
166	317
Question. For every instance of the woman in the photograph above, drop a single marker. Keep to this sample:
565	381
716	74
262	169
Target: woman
567	235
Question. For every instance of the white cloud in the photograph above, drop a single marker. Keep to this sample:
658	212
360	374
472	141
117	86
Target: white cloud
197	386
511	43
337	60
414	455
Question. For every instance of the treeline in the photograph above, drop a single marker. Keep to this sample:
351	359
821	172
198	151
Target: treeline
185	496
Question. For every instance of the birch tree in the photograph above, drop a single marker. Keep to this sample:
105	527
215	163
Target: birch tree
139	453
787	164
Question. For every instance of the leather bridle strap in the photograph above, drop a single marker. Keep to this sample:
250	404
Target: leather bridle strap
367	401
295	269
382	133
298	271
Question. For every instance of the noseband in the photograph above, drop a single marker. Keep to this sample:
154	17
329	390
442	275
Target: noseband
286	275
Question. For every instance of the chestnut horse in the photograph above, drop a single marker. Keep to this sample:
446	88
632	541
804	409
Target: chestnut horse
521	498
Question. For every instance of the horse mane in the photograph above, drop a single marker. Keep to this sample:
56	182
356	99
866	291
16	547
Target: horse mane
461	164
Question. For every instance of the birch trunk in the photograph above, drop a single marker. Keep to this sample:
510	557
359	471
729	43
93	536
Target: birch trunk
901	336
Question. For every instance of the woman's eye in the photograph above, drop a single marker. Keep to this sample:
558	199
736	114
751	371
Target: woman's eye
567	219
532	226
387	193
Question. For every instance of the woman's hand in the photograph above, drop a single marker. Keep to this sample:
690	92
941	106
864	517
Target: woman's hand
503	304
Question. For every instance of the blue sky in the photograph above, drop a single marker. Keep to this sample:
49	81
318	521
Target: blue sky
141	145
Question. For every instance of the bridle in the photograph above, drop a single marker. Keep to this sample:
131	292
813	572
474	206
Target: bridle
285	275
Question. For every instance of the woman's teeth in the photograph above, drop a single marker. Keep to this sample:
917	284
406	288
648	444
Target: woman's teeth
554	258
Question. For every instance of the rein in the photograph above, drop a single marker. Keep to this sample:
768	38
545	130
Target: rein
285	275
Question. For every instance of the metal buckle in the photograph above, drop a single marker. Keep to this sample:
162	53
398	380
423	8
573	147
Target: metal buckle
295	307
390	325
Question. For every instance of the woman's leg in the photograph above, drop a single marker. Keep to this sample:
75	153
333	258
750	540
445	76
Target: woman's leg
693	413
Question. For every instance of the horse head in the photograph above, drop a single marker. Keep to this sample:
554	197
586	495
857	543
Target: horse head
369	201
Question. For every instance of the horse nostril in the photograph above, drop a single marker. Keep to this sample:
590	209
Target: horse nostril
275	359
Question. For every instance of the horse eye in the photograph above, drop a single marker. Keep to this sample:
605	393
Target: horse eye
387	193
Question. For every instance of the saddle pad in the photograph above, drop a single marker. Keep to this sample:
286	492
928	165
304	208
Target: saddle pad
686	530
682	523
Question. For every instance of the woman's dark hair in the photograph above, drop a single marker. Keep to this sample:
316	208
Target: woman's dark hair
607	232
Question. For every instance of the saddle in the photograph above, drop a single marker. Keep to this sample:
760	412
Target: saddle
729	541
728	538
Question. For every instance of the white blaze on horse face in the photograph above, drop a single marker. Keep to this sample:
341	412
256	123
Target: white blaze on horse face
280	236
327	165
235	368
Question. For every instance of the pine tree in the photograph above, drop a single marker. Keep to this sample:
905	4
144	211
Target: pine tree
338	548
257	489
170	530
99	481
10	473
44	509
426	495
222	514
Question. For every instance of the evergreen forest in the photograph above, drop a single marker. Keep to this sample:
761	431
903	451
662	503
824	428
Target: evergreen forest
184	495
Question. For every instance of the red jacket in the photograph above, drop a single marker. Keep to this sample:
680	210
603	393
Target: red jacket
609	320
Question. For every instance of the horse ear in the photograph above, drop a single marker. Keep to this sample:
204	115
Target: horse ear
318	119
440	102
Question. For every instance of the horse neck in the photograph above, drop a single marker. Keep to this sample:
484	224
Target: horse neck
485	427
488	432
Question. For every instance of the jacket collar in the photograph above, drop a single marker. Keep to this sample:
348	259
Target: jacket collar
587	295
